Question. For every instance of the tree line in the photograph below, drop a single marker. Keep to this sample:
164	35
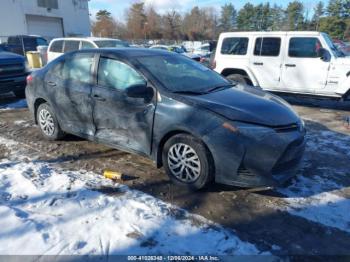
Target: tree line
207	23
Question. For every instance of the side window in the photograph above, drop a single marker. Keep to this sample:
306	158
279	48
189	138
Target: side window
79	68
56	71
304	47
41	42
57	46
267	46
71	45
235	46
86	45
117	75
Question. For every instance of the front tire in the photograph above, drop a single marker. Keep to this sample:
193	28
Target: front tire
188	162
48	123
238	78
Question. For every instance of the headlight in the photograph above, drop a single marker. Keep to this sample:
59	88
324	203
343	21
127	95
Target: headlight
245	128
302	125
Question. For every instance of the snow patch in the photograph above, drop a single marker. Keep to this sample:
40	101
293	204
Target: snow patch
47	211
322	194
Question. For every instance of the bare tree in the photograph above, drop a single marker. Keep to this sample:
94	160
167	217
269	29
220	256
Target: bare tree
137	21
172	25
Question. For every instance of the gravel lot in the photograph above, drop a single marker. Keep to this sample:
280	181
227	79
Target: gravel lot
309	216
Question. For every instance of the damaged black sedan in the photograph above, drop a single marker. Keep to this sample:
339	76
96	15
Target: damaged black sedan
184	116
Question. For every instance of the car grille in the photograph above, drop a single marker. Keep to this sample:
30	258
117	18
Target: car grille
11	69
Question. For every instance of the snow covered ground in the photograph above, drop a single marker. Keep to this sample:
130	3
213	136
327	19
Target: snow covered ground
322	192
48	211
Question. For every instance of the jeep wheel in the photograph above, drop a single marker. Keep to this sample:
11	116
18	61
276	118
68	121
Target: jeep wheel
238	78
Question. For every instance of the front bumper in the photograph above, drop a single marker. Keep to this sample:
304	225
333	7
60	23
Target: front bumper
12	84
256	156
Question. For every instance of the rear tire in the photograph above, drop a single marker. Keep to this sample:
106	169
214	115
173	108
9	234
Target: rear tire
188	162
48	123
241	79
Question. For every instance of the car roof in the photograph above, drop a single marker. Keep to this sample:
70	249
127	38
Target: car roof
85	38
312	33
127	52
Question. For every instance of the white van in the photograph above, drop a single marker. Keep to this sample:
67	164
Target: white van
59	46
291	62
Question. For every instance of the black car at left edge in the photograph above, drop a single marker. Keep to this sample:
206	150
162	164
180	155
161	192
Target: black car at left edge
13	73
196	124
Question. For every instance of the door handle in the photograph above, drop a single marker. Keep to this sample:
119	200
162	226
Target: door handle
258	63
98	98
50	83
290	65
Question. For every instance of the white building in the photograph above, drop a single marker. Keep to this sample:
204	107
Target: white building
47	18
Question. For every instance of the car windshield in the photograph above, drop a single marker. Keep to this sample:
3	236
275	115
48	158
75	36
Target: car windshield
110	43
183	75
332	46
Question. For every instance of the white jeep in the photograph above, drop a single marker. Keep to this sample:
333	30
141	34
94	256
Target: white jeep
290	62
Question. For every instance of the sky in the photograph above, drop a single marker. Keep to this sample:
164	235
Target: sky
118	7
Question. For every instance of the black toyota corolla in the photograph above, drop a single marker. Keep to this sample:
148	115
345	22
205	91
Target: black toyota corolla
182	115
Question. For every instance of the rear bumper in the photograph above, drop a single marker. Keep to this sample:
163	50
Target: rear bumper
12	84
256	156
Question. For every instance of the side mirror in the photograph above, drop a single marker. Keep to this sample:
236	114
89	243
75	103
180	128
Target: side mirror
140	91
324	54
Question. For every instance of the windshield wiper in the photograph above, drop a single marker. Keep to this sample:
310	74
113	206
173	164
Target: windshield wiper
188	92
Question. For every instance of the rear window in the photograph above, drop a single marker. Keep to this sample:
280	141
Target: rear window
267	46
57	46
29	41
235	46
70	46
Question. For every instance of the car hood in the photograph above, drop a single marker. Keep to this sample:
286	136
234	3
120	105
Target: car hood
342	61
247	104
7	57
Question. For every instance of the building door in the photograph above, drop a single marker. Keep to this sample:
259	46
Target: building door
48	27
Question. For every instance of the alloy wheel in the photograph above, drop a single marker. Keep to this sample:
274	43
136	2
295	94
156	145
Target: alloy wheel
46	122
184	163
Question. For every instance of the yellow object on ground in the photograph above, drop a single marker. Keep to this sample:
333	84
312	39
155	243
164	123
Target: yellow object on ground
112	175
34	60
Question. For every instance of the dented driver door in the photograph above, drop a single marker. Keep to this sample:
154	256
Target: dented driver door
120	120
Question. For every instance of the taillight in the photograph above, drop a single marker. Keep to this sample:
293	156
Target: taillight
29	79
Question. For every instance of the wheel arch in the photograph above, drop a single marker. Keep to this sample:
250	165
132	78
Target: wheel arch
37	103
241	71
171	134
